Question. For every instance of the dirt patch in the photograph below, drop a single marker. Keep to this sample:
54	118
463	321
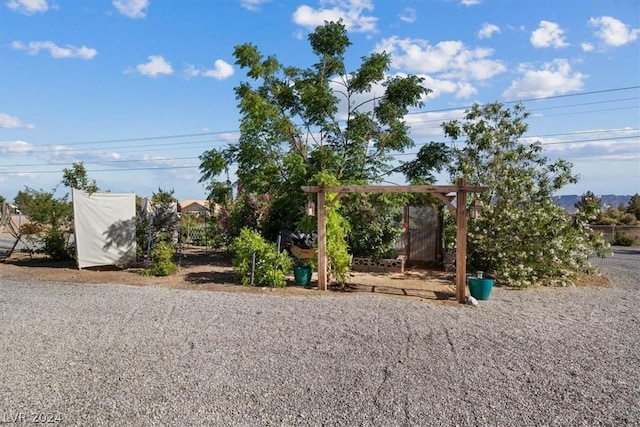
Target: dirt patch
211	270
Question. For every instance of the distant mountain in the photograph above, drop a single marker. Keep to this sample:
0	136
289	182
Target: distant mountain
606	201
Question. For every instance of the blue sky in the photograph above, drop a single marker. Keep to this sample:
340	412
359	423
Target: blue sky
138	89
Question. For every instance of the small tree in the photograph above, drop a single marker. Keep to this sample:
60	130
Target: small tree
159	224
634	206
50	221
588	207
521	235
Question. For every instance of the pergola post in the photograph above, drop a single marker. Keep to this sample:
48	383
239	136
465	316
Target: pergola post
461	241
322	240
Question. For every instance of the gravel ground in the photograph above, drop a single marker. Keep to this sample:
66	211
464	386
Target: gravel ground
107	354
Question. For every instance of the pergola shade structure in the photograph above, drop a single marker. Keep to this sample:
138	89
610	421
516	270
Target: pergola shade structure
442	192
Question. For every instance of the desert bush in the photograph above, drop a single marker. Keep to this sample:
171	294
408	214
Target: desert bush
621	239
271	267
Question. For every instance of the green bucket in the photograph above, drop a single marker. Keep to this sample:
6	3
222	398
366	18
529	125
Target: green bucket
302	275
480	287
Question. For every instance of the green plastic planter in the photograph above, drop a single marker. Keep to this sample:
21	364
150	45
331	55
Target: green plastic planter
480	288
302	275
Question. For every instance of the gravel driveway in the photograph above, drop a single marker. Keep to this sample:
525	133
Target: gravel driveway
108	354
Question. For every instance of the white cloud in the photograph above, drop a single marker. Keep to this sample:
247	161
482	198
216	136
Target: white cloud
488	30
253	5
553	78
612	144
28	7
221	70
548	34
451	59
68	51
408	15
613	32
132	8
587	47
156	66
439	87
470	2
15	147
425	125
11	122
352	13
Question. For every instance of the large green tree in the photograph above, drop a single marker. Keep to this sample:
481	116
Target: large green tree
521	236
297	122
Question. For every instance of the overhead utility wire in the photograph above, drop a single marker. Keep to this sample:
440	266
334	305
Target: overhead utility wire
189	135
582	133
214	142
568	95
197	166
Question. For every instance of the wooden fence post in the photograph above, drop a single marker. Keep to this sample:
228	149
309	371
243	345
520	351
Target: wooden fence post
461	241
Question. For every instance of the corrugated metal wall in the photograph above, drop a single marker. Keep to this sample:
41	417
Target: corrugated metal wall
422	242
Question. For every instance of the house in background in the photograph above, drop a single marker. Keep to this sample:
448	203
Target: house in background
194	207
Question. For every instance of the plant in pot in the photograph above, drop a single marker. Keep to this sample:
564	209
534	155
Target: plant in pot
302	271
304	256
303	248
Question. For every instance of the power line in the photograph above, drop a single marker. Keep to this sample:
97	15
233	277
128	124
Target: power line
583	133
236	131
568	95
117	170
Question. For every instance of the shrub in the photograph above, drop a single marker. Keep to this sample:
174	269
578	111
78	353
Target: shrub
271	267
521	237
55	245
621	239
376	224
162	263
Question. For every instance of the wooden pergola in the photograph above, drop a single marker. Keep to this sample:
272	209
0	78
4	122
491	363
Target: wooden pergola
459	211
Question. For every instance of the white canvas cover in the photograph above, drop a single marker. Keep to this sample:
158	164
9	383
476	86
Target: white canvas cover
104	228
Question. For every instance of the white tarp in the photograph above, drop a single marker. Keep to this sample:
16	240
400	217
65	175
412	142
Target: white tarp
104	228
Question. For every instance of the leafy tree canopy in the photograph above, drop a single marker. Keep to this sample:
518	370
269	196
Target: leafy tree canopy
297	122
521	236
76	177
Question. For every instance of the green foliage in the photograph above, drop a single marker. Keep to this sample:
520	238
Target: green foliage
271	267
634	206
338	229
521	236
247	211
588	207
621	239
292	127
76	177
162	263
537	245
616	217
307	224
50	219
159	224
376	224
